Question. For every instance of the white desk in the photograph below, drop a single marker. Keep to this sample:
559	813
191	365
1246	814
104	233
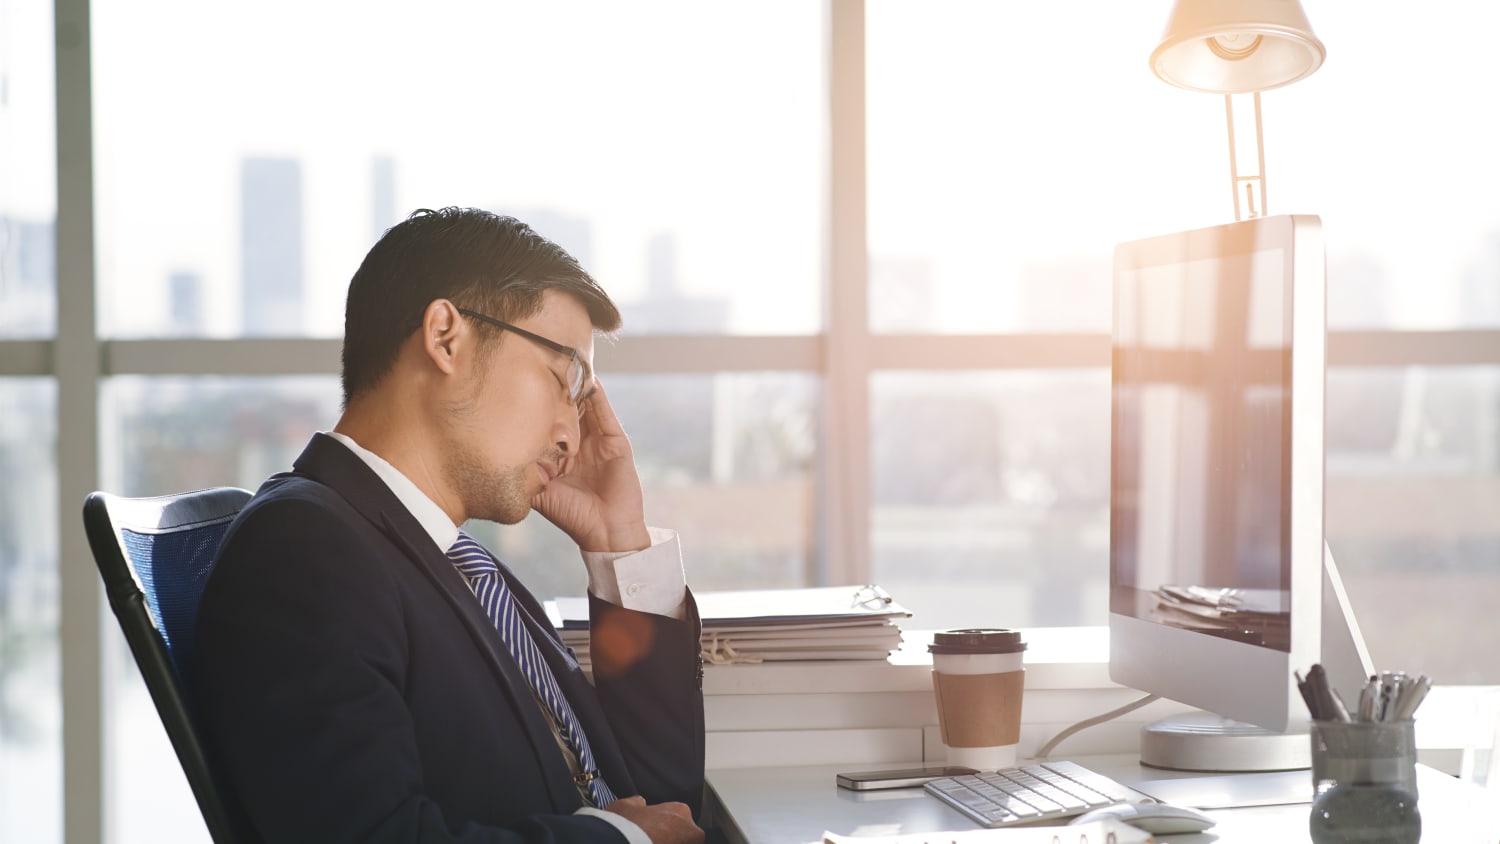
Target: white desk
794	805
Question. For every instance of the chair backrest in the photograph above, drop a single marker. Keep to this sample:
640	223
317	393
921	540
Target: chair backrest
155	555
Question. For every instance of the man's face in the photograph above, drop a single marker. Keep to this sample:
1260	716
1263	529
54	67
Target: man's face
512	422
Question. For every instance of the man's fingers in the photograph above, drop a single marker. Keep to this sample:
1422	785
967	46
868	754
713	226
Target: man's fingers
663	823
601	414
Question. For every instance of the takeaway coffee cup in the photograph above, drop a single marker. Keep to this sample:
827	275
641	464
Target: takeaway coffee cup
978	676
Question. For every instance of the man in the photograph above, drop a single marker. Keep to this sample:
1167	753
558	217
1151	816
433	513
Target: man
364	671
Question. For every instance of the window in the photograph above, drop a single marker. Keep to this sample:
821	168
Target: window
1004	166
1413	487
236	200
1005	162
239	198
31	741
28	173
30	707
990	506
725	460
1417	246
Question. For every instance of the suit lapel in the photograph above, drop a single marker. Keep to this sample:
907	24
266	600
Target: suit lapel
329	462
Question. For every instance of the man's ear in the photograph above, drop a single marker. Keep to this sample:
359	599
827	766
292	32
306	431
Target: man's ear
442	334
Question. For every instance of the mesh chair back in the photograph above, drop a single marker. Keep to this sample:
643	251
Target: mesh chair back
172	568
155	556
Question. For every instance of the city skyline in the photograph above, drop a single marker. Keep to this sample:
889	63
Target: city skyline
904	295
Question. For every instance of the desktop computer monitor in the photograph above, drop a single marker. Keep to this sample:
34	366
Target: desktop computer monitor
1218	562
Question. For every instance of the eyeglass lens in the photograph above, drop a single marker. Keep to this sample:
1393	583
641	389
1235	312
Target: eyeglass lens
576	375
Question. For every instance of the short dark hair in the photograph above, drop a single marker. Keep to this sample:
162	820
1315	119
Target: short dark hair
487	262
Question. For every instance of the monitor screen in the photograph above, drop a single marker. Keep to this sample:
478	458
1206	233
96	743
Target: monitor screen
1202	416
1216	497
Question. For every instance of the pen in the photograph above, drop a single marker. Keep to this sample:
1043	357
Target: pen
1411	697
1367	696
1340	709
1329	707
1390	688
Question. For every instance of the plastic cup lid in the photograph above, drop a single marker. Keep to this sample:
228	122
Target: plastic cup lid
977	640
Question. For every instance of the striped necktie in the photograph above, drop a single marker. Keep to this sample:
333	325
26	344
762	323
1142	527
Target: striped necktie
483	576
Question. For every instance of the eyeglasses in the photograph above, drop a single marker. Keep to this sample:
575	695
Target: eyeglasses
579	377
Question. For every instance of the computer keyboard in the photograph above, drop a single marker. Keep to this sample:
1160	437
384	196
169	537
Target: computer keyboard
1042	792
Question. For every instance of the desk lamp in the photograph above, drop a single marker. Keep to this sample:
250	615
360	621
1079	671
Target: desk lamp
1234	47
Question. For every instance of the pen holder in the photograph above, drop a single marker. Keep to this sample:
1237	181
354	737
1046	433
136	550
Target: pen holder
1366	752
1364	782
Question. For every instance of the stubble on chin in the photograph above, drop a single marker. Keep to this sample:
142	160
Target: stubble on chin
495	495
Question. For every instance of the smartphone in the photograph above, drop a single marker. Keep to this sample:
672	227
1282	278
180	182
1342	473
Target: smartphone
903	778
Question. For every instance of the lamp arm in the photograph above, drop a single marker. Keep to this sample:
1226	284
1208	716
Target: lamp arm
1251	182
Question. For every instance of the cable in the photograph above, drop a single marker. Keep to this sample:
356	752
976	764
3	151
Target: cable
1097	719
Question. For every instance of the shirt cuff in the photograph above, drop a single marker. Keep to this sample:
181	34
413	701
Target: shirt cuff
628	828
650	580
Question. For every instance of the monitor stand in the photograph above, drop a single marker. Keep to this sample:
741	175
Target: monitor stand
1201	741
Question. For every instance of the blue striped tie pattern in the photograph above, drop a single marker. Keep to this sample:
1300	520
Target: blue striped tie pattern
483	575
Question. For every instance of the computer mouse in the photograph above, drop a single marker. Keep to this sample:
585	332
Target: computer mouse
1155	818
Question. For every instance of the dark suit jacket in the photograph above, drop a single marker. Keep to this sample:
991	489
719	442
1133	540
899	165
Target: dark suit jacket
352	688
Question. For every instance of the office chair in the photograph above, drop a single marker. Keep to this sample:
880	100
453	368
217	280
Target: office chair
155	555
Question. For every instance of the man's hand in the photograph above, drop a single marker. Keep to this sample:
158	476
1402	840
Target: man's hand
597	500
664	823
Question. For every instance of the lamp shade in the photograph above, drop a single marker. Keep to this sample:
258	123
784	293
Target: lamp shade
1236	46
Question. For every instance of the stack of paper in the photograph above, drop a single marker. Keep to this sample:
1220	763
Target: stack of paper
829	622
